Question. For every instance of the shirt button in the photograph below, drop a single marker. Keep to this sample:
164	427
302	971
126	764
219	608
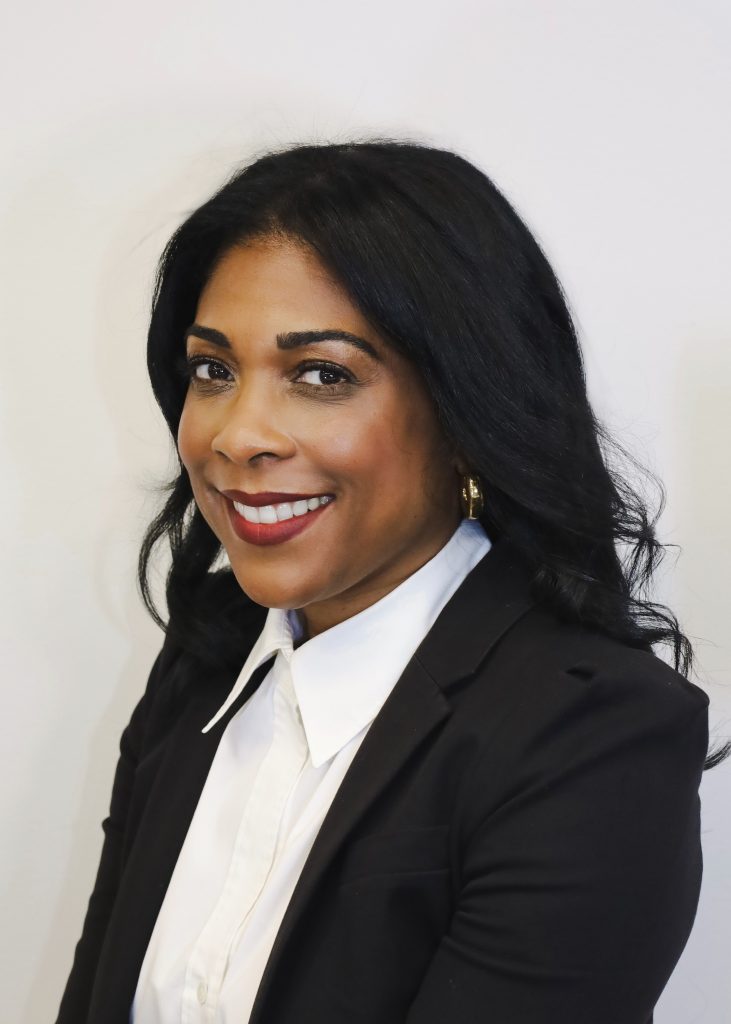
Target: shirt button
202	992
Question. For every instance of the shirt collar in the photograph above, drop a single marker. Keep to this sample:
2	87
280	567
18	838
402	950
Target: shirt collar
342	677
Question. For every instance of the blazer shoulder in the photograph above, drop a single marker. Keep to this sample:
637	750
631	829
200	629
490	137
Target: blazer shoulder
571	654
575	702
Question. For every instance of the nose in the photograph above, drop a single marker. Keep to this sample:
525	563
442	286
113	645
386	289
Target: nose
251	426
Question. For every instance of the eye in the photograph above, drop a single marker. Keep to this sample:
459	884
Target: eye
323	375
203	368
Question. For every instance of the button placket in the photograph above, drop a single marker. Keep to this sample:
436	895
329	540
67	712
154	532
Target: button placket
257	841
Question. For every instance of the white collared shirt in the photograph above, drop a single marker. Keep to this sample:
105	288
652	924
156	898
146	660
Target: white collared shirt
276	770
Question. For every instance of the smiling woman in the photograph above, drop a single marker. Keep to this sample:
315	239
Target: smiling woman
411	756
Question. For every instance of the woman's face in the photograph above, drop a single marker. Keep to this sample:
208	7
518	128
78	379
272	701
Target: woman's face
281	417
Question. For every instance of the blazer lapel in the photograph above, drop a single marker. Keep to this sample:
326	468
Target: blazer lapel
159	839
489	600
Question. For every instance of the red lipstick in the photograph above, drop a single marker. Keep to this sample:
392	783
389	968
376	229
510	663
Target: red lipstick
271	533
266	497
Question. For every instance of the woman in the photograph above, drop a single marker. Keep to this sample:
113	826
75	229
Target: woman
410	756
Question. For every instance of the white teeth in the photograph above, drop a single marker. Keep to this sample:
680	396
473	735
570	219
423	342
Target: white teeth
280	512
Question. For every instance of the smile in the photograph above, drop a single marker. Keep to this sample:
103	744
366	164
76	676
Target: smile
282	510
273	524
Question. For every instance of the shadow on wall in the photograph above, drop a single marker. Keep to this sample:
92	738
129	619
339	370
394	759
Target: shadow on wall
698	591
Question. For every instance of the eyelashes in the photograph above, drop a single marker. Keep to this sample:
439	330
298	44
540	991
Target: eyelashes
328	369
194	362
219	374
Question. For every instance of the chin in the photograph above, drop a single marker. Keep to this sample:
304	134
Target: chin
267	593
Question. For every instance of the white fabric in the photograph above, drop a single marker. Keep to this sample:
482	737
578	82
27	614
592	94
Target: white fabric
276	770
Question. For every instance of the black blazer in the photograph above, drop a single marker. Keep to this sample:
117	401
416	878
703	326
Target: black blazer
517	840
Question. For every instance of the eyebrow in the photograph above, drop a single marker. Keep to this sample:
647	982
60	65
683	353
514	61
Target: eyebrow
288	340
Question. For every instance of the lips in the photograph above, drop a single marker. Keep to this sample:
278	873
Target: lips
276	532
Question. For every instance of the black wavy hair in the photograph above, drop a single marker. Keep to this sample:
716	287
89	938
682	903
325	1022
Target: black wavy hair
443	267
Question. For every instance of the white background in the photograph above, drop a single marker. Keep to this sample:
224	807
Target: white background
607	125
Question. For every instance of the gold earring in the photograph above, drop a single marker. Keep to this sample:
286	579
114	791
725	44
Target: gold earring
473	501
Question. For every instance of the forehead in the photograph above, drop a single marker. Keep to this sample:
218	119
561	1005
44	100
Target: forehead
275	284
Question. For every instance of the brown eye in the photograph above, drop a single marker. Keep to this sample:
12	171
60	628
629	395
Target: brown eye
323	375
204	369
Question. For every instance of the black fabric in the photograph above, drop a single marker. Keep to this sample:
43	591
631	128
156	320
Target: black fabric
517	840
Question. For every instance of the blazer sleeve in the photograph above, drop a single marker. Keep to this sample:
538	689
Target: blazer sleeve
77	993
580	883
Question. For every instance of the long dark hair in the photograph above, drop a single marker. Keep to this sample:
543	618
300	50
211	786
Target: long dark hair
443	267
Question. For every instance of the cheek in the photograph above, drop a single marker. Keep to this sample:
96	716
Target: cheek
390	452
191	440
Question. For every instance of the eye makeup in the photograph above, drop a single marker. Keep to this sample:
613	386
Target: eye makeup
187	368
